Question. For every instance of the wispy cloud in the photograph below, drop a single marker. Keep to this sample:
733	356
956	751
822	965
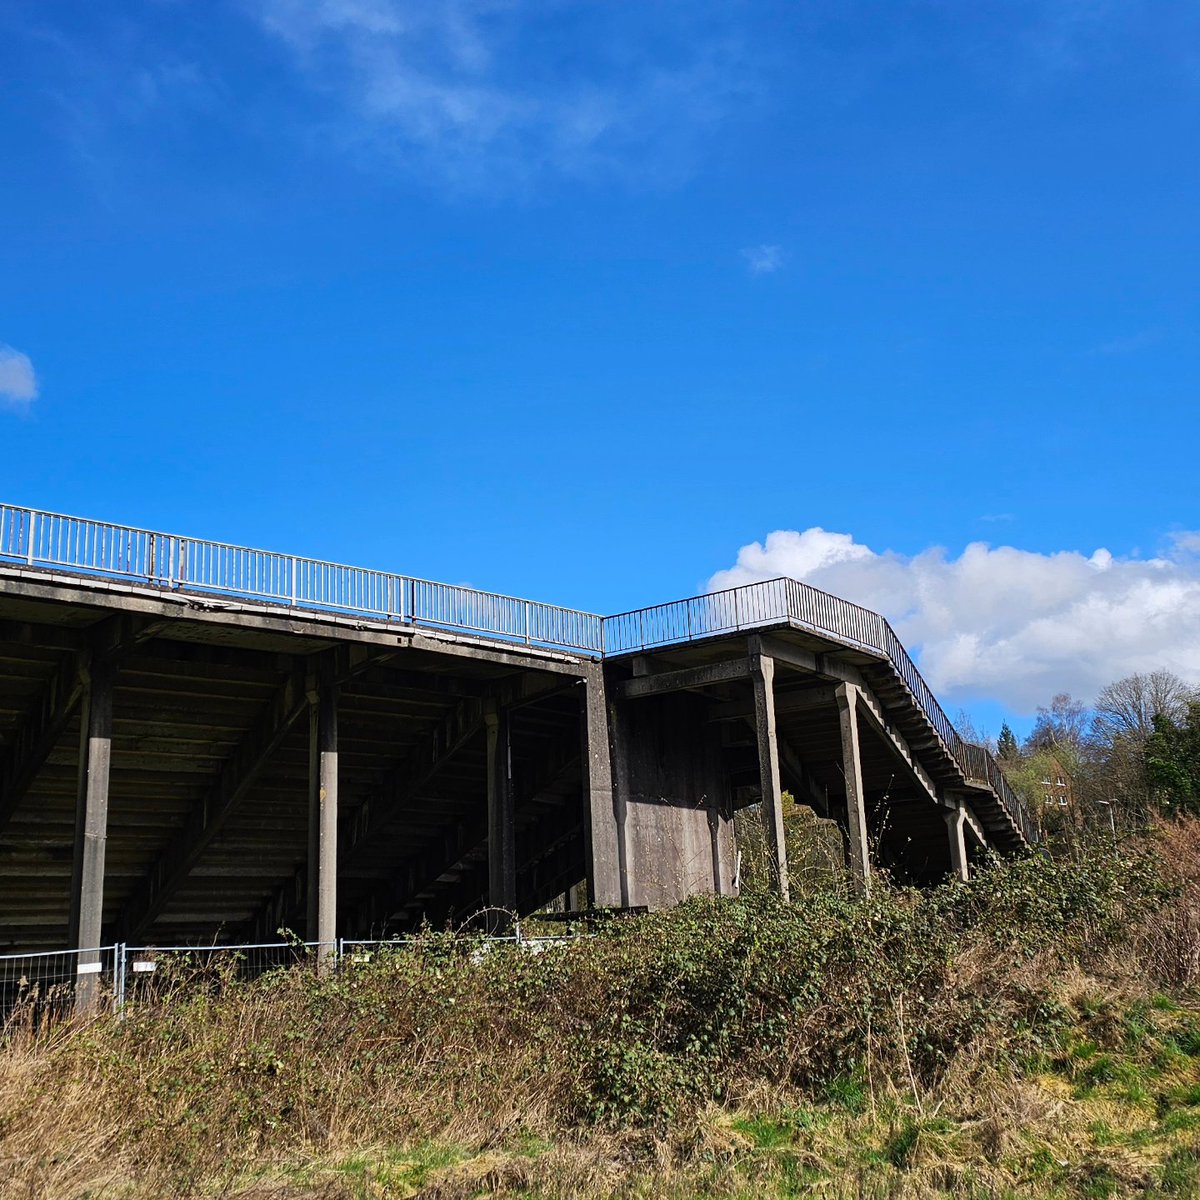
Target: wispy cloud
763	260
1129	344
1013	625
487	93
18	382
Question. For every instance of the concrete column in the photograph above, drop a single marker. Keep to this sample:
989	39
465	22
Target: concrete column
603	825
956	825
856	812
762	675
314	811
91	826
327	813
502	817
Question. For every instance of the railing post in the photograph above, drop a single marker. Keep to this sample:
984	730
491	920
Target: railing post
293	570
30	530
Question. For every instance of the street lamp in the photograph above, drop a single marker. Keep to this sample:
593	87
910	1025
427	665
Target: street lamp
1112	820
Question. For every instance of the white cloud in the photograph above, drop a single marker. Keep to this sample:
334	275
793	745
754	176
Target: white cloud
18	383
484	93
763	260
1011	625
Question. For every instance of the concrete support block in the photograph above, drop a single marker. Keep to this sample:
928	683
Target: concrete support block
956	825
91	826
314	812
762	675
604	825
502	817
327	814
856	813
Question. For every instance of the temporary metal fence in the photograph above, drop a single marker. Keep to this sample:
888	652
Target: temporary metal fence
46	985
42	986
38	538
80	545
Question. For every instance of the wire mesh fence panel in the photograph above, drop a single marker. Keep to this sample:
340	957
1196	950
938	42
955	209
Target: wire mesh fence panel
156	973
37	988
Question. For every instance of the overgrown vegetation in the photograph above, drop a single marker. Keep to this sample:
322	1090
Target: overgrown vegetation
1032	1033
1131	758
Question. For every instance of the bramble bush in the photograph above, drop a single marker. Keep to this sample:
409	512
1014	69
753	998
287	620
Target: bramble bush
639	1026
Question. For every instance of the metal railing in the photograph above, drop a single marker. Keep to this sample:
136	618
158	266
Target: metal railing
46	539
788	601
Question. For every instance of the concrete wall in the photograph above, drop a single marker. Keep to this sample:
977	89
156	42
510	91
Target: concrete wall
678	830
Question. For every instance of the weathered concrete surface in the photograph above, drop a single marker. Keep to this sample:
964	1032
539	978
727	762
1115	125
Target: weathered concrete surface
678	821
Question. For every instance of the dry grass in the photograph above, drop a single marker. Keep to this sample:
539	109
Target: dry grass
1033	1035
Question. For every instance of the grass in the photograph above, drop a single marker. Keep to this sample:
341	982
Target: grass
1027	1035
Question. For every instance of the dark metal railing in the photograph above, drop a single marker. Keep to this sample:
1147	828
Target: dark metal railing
788	601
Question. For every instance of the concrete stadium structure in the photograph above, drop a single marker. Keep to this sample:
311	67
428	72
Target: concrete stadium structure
200	741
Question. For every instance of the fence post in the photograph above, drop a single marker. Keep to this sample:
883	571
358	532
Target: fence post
293	570
527	622
120	958
30	529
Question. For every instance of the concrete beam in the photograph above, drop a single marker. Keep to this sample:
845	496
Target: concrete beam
856	813
502	817
313	860
601	825
870	707
91	809
763	680
250	616
678	681
209	815
91	828
800	659
327	813
785	702
955	821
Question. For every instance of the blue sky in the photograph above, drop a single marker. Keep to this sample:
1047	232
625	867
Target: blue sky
580	300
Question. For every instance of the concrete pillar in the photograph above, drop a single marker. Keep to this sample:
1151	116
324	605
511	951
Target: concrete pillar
502	817
91	826
603	823
327	813
762	675
314	812
956	825
856	812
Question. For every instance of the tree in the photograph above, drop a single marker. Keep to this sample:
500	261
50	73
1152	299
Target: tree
1122	725
1172	761
1061	728
1125	710
1006	745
